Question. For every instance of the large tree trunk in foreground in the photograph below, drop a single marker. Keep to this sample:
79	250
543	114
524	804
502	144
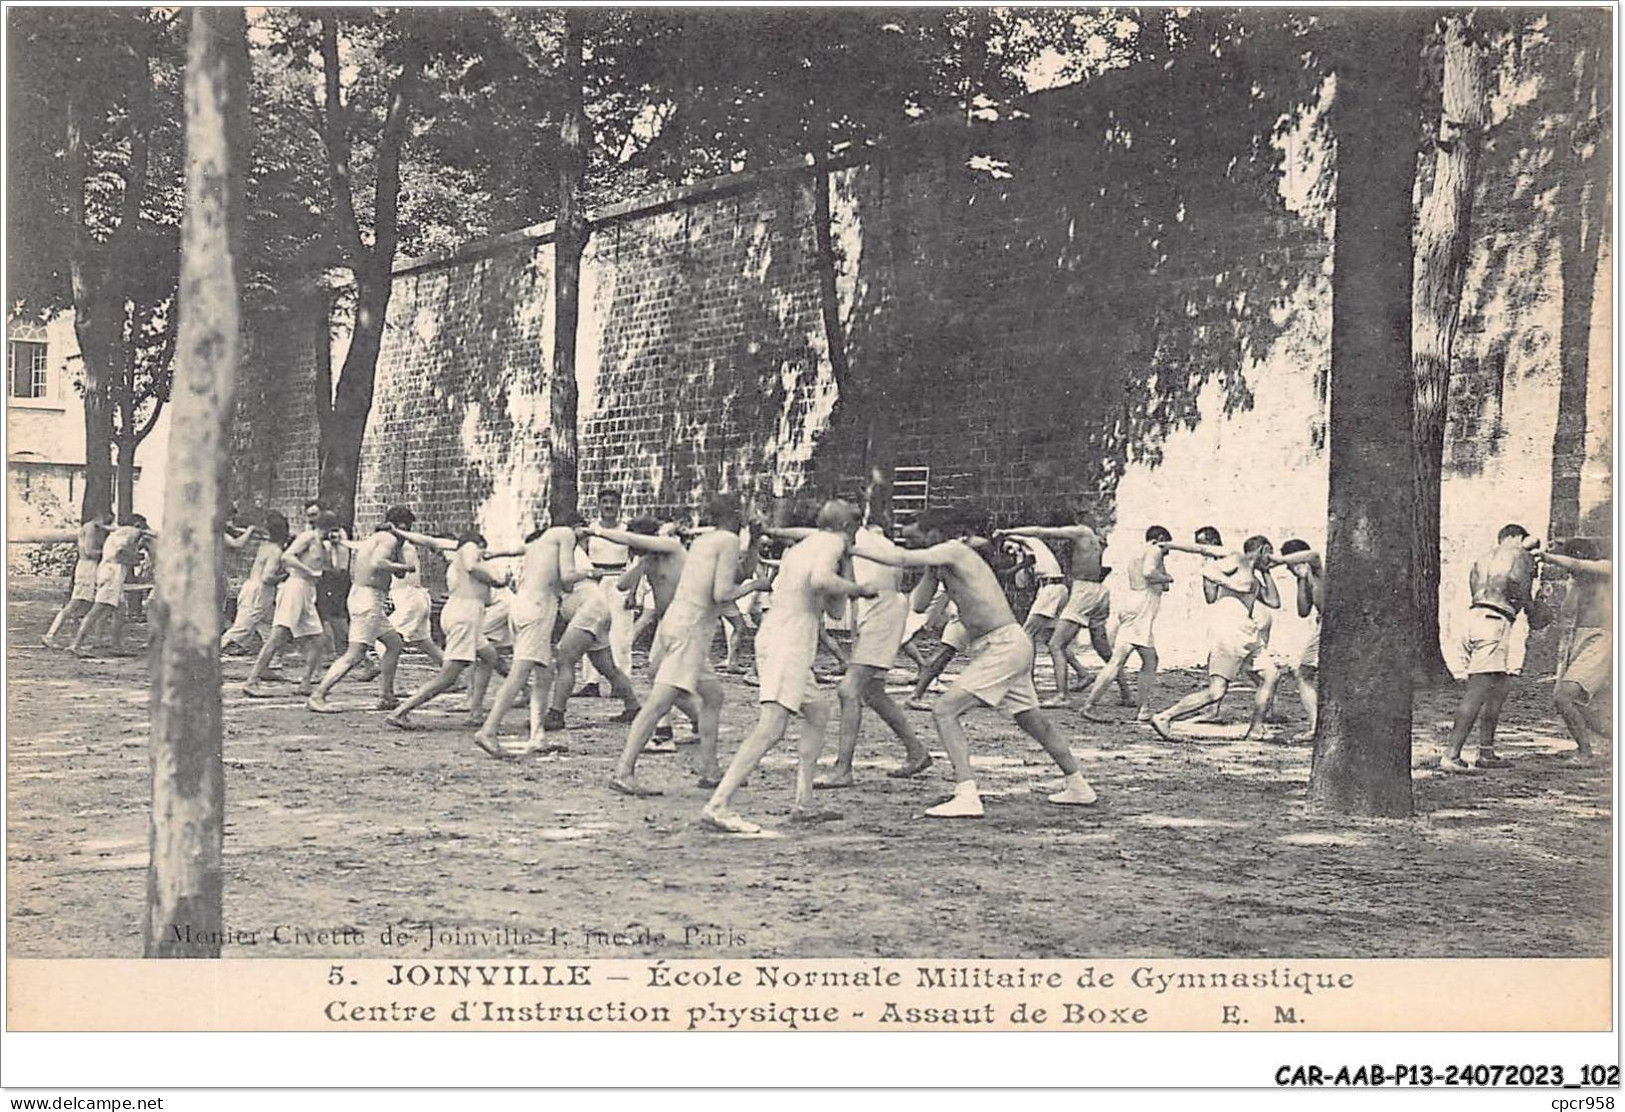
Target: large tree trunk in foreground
184	876
1442	247
569	242
1362	760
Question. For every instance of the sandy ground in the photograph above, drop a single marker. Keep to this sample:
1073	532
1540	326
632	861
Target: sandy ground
1203	848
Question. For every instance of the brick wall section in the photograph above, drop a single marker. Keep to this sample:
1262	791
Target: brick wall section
1060	336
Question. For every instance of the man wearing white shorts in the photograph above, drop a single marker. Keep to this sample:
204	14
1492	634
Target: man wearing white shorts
1501	582
1588	666
808	586
587	610
611	560
1241	581
91	537
120	551
1148	580
999	668
692	589
1309	571
877	638
296	619
1088	603
549	570
469	580
377	562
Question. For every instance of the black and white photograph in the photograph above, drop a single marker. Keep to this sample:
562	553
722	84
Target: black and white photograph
949	485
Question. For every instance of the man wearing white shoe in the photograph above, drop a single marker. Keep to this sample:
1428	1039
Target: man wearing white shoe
998	669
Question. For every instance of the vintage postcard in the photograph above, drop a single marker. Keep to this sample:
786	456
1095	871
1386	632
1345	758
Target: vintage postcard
717	519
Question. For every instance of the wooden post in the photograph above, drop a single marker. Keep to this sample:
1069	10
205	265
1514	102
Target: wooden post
183	876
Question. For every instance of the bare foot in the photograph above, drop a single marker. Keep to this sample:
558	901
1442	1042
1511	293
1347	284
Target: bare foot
322	706
254	691
912	769
628	785
1163	727
1092	713
727	822
836	779
1455	764
400	722
489	745
913	703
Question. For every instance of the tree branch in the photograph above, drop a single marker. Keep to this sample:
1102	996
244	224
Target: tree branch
147	425
336	139
135	178
386	200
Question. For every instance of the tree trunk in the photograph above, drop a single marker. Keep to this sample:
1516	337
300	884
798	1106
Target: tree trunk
96	356
184	875
1362	759
345	424
1582	213
339	452
569	242
1442	247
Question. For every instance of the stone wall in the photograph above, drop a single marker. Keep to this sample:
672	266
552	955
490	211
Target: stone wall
1118	302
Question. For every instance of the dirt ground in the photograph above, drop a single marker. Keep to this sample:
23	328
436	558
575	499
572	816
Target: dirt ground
1204	848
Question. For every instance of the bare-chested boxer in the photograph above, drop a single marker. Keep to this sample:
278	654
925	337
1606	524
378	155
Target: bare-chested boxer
587	610
413	611
376	564
1310	572
1501	583
1050	596
1148	580
256	601
121	551
469	579
1588	667
296	620
879	627
549	571
1239	582
612	560
999	669
691	590
1088	604
91	537
808	586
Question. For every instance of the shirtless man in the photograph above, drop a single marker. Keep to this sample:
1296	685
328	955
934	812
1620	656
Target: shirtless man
928	600
413	609
1148	580
1050	597
878	637
587	609
1500	581
999	668
121	551
469	579
91	537
808	585
256	601
296	619
1310	572
692	589
376	565
1236	583
1589	666
549	571
612	559
1088	605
